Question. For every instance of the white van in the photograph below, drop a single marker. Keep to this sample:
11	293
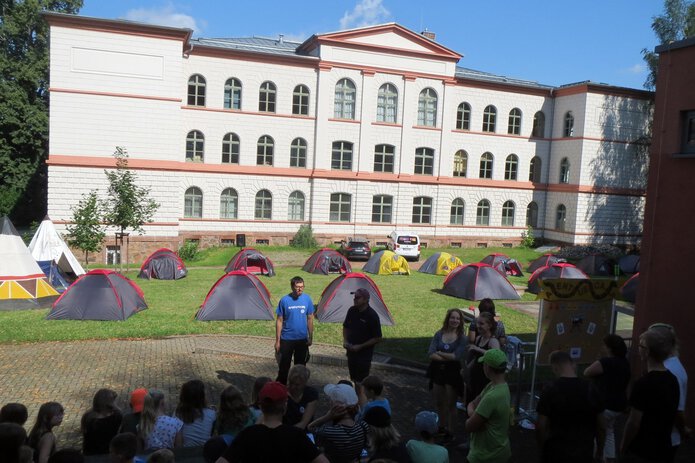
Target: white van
405	243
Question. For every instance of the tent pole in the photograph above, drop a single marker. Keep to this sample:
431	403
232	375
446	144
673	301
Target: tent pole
535	356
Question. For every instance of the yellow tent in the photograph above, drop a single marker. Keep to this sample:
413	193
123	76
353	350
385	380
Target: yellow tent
387	263
440	263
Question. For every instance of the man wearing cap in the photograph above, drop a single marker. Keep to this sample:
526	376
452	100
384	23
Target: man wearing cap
489	413
294	328
272	440
361	332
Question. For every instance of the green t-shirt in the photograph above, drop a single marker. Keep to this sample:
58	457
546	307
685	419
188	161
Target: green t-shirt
422	452
491	444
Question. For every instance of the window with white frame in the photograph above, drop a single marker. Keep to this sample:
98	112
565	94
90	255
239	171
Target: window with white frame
295	206
564	170
424	161
196	90
232	94
460	163
457	211
383	158
511	167
113	255
195	146
193	203
267	95
264	151
341	155
514	127
508	210
345	97
298	150
387	104
300	100
532	214
263	206
534	173
538	125
482	213
229	204
230	149
463	116
489	118
341	205
422	209
427	108
561	217
487	161
568	129
382	207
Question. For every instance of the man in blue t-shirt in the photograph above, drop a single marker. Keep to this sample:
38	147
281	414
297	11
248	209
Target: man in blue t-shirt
294	328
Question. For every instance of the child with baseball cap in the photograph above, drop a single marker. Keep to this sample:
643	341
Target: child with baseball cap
131	420
425	450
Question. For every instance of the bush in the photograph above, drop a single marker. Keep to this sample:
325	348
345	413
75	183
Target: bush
527	238
576	253
189	250
304	238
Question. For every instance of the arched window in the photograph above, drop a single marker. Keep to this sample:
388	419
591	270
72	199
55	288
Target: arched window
514	127
193	203
344	103
568	129
295	206
422	209
532	214
263	207
482	213
489	118
486	163
230	149
424	161
511	167
534	172
457	210
195	146
382	207
564	170
266	97
341	204
341	155
298	153
229	204
463	116
232	94
196	90
538	125
264	151
427	108
561	217
460	163
300	100
387	104
508	209
383	158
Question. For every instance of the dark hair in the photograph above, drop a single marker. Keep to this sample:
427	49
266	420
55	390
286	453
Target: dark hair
12	437
374	384
102	404
616	345
560	357
233	413
124	446
257	386
67	456
161	456
191	401
660	343
43	425
486	305
491	321
296	280
459	330
14	413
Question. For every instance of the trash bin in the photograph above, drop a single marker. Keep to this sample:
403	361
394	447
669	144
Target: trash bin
241	240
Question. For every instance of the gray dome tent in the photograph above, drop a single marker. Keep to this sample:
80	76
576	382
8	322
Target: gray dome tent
543	261
163	264
337	298
568	271
237	295
478	281
596	264
325	261
252	261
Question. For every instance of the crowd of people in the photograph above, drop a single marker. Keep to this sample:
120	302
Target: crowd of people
577	416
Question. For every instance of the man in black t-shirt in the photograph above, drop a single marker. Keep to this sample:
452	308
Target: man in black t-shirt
361	332
570	417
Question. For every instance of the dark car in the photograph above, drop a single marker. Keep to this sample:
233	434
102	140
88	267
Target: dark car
355	249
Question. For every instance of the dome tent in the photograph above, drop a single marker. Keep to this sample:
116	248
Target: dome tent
596	264
252	261
387	263
629	289
325	261
337	298
568	271
163	264
544	260
503	264
440	263
237	295
478	281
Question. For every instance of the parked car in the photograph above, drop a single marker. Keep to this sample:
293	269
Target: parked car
355	248
406	244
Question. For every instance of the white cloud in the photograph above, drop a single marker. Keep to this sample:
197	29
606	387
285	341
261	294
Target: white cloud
164	16
638	68
365	13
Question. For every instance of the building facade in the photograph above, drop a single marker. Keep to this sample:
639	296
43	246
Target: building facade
356	132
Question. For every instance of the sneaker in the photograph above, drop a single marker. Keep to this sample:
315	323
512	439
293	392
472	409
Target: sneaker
460	406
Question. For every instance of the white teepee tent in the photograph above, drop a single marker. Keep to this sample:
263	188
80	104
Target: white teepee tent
48	245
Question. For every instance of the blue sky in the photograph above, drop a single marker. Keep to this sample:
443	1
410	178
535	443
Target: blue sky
553	42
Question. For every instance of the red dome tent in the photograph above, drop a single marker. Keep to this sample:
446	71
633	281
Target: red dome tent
237	295
163	264
568	271
99	295
325	261
503	264
543	261
252	261
337	298
478	281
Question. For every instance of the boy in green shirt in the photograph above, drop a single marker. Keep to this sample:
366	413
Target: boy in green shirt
489	413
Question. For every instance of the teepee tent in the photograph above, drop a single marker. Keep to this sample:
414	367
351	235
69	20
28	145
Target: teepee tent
325	261
47	245
23	285
478	281
338	297
387	263
440	263
237	295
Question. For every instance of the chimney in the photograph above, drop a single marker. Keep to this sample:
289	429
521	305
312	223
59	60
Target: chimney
429	34
281	39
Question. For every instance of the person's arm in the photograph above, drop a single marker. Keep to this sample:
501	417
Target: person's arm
471	332
364	345
309	411
473	404
600	436
278	330
631	429
45	446
332	414
432	351
595	369
493	344
310	328
475	423
346	344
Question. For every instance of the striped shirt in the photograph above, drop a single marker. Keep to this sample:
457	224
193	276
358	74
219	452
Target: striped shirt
343	444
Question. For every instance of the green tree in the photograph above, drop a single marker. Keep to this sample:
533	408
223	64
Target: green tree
86	232
24	105
676	23
304	238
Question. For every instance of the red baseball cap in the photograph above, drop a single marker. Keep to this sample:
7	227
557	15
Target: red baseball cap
137	399
273	391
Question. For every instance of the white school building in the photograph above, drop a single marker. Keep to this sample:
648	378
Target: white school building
356	133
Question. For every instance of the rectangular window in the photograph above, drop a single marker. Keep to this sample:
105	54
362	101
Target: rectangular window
113	255
340	207
424	161
341	156
383	158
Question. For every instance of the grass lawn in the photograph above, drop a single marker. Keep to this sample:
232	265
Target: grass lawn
415	302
